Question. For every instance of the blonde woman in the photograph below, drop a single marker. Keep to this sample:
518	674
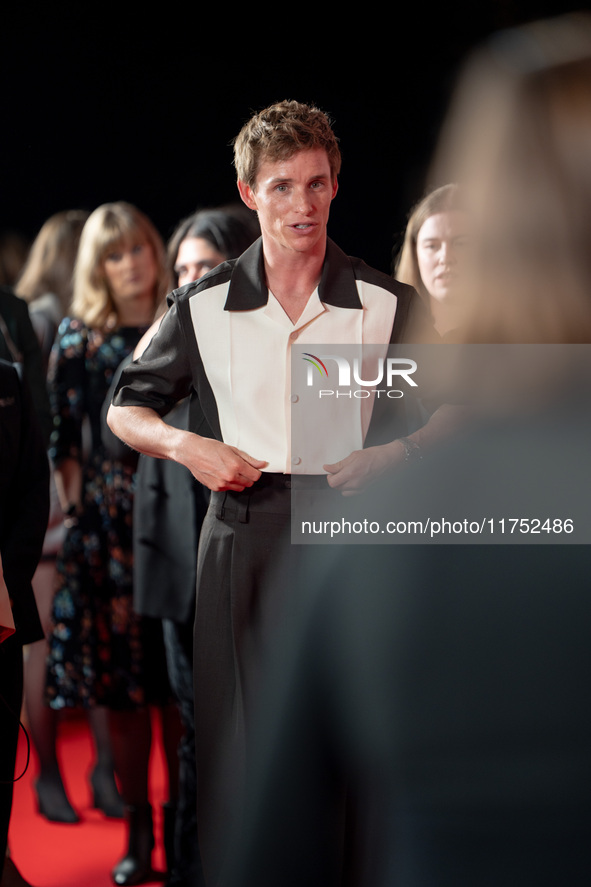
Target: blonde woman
46	279
436	253
97	643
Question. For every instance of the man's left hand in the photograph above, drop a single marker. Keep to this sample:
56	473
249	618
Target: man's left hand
363	467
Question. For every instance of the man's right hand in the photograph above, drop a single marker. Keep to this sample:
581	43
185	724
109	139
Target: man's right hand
216	465
219	466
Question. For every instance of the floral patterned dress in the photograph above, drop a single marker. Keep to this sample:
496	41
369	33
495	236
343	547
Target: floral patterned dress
97	643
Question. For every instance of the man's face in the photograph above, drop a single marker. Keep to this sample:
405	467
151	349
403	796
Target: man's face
292	199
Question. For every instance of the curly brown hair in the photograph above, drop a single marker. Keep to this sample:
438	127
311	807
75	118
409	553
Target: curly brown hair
280	131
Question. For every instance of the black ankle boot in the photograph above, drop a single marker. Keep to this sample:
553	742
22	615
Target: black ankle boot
136	865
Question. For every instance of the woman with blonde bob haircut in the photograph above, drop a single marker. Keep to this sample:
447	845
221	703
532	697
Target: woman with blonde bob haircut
102	654
107	228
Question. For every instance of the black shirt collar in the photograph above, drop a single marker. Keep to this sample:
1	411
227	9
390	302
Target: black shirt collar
248	289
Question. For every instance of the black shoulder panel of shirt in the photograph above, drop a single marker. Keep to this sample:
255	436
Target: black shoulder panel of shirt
248	291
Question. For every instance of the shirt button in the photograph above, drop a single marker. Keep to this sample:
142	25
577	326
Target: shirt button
296	460
294	398
293	336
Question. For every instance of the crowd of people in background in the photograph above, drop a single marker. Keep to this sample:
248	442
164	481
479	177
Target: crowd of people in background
90	287
498	251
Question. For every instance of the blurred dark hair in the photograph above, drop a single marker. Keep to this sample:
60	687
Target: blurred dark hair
14	249
229	229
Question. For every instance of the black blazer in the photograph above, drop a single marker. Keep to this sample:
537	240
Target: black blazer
168	510
19	342
24	498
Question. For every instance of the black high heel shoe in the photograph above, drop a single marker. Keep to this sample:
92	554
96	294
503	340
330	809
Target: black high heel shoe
52	801
105	794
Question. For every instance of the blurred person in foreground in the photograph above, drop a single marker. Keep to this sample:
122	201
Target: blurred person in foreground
20	347
24	508
446	685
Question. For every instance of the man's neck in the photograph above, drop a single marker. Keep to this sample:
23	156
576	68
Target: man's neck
293	278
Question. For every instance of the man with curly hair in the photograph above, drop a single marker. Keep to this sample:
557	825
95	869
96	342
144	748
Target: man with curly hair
216	343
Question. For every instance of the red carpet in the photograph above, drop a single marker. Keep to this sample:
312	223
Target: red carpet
79	855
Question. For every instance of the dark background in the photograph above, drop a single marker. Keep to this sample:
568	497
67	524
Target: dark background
113	102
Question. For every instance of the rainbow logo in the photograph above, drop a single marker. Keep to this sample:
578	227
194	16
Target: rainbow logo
315	361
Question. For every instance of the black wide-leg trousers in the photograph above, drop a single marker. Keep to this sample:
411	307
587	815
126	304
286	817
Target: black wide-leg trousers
244	559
